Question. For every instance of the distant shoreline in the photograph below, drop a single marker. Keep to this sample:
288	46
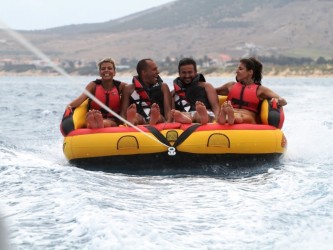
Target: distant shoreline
123	74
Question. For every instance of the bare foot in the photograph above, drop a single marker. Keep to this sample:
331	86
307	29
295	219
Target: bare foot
94	119
228	109
154	114
180	117
131	113
202	112
98	118
90	120
222	116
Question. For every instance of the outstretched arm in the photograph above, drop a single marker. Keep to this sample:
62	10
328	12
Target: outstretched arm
264	93
224	89
79	100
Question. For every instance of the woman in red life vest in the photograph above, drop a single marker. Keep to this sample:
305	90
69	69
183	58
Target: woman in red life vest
105	89
245	95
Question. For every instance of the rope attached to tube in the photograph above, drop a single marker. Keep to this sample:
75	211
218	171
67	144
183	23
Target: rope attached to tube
23	41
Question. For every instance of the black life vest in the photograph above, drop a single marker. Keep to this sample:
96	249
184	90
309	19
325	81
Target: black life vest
144	96
186	95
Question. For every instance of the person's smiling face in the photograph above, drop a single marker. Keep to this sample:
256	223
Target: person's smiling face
107	71
187	73
150	74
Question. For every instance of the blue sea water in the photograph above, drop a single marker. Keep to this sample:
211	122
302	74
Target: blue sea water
47	203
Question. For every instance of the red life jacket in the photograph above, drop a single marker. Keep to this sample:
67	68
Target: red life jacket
111	98
244	97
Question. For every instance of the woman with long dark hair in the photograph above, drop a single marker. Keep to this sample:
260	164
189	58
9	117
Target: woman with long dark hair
246	94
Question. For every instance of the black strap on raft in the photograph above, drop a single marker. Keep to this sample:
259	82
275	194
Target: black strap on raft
274	115
67	124
158	135
180	139
186	134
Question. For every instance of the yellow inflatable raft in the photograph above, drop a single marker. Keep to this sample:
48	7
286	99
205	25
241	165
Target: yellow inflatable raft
173	142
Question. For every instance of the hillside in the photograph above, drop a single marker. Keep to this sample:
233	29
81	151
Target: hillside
300	28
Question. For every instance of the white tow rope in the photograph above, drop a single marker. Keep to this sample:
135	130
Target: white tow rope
23	41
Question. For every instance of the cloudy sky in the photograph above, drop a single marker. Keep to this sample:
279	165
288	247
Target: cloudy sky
42	14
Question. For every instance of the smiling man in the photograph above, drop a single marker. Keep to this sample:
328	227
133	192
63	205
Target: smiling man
195	100
147	100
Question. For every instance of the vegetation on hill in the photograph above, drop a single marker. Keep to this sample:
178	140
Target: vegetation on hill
272	66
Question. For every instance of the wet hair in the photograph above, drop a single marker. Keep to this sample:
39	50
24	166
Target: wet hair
187	61
253	64
142	65
107	59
